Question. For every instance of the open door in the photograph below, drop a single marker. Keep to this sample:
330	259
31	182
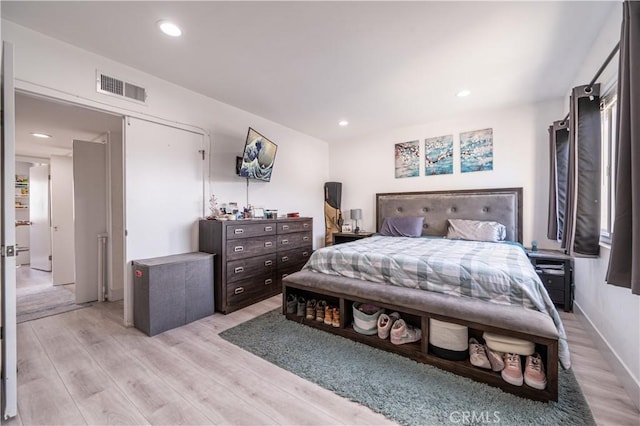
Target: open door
90	207
62	227
9	389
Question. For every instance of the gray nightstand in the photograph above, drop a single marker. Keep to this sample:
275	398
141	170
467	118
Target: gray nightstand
555	269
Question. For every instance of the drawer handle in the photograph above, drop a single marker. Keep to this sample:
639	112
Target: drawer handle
238	270
305	225
268	262
238	249
285	241
285	258
305	254
305	238
268	281
238	290
268	228
285	275
238	231
268	244
285	227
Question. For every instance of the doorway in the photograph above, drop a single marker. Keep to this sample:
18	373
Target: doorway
52	141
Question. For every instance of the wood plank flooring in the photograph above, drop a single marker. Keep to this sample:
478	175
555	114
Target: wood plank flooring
84	367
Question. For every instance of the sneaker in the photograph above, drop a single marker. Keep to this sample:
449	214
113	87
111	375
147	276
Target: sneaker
292	303
301	306
477	354
534	372
495	358
385	322
311	309
512	372
328	315
336	317
320	310
401	333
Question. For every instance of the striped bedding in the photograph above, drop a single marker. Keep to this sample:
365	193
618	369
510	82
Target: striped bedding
495	272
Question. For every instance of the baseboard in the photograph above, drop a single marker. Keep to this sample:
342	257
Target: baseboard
621	371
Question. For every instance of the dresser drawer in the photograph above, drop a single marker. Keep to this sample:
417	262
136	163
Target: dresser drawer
552	282
295	256
250	267
255	288
294	226
246	229
288	270
241	248
291	240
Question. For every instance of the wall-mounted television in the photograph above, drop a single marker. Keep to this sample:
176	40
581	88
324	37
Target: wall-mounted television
258	157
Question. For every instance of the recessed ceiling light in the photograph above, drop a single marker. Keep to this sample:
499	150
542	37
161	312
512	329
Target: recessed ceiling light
343	123
169	28
40	135
463	93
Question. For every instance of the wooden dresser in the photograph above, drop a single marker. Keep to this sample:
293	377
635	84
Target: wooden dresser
252	257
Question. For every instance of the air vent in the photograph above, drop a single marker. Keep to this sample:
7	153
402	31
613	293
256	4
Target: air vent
116	87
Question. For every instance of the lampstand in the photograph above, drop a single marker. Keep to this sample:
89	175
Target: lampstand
356	214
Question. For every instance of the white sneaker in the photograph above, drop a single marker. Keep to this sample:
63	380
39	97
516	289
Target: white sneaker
402	332
385	322
477	354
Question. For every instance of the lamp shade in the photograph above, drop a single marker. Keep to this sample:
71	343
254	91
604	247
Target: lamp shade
356	214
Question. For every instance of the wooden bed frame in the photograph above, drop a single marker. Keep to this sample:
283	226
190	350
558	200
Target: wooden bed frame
417	307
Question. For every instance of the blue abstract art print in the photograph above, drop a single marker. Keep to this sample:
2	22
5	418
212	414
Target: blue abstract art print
407	159
476	151
438	155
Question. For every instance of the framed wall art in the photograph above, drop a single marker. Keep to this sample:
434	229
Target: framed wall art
438	155
476	150
407	159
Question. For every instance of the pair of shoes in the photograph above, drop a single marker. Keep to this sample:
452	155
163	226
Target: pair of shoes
401	333
311	309
292	303
320	310
336	318
385	322
478	354
301	306
328	315
483	357
534	375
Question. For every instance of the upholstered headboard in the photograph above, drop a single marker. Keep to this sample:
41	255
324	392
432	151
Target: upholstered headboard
503	205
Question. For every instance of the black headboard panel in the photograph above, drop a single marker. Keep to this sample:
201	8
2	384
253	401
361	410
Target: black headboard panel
502	205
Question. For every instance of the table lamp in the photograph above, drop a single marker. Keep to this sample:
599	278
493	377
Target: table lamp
356	214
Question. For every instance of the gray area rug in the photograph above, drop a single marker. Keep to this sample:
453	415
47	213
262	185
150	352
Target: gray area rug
45	302
403	390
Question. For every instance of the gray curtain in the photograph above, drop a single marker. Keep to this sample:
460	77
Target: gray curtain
624	262
581	231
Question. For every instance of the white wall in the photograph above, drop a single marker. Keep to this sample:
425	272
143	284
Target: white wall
520	139
613	311
53	68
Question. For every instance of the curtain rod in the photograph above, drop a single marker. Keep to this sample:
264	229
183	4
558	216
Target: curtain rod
602	68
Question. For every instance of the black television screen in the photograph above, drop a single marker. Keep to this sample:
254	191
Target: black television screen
258	157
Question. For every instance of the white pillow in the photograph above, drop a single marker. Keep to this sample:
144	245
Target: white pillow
476	230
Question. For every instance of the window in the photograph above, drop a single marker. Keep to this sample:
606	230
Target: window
609	111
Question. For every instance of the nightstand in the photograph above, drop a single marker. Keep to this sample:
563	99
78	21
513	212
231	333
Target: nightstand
345	237
555	269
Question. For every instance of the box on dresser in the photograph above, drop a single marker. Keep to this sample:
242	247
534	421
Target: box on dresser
252	256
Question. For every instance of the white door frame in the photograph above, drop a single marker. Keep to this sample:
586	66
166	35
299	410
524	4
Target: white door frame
9	387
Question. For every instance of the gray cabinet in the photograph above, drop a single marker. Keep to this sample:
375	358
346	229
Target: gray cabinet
253	256
171	291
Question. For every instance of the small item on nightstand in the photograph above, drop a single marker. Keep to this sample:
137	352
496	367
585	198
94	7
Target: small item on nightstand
534	245
294	214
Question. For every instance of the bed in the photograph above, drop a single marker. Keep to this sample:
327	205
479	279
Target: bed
484	286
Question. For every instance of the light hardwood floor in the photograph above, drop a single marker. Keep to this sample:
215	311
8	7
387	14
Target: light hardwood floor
84	367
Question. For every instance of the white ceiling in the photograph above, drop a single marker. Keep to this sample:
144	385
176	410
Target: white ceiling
307	65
